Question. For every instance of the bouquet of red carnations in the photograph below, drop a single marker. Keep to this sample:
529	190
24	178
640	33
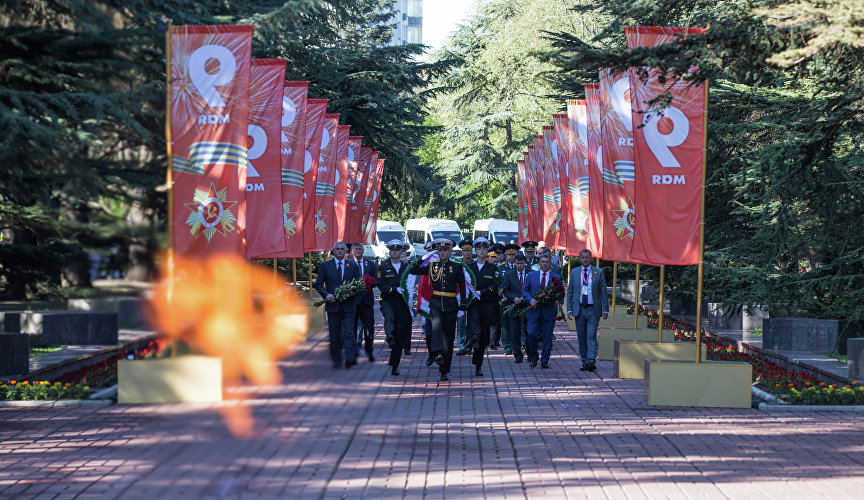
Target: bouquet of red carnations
347	290
548	295
368	283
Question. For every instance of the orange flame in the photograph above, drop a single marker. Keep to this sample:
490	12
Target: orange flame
221	306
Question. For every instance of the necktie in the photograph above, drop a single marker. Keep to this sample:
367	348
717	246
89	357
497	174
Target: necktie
360	263
521	279
543	281
584	283
339	269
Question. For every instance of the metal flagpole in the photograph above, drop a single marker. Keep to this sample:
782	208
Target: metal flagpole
701	233
660	308
310	275
614	284
169	176
636	300
275	275
294	263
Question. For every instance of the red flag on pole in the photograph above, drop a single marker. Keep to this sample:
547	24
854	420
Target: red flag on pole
669	144
562	143
533	205
355	181
551	189
617	166
577	131
263	161
368	200
540	178
595	176
209	73
364	175
324	216
341	200
315	111
521	200
372	223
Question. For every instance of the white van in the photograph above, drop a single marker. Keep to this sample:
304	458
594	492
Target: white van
421	231
385	231
497	230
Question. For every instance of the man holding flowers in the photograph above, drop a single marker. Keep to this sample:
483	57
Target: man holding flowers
542	290
586	302
341	305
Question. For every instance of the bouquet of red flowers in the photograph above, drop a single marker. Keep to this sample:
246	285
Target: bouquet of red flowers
368	282
548	295
348	289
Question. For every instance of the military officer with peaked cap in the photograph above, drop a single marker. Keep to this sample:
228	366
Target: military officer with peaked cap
482	311
494	257
508	264
530	251
447	303
397	314
463	345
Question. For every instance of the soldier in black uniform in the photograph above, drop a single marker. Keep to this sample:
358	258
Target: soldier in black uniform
530	257
463	344
494	256
447	303
482	312
397	315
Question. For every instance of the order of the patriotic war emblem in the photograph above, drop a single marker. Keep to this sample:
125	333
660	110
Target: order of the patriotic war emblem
210	213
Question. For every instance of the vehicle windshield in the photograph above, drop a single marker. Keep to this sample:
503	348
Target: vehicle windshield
454	236
506	237
385	236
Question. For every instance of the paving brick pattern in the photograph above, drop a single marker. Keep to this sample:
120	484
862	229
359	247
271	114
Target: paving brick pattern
361	433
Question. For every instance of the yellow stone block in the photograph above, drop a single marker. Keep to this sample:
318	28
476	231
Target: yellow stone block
715	384
622	321
606	339
184	379
629	357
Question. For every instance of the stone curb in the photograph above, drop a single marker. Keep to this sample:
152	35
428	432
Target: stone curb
759	393
788	407
59	402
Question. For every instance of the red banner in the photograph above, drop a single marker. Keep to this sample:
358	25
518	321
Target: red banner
595	176
341	200
521	200
263	161
669	152
324	216
617	166
364	175
209	94
355	181
535	213
368	200
562	144
551	189
315	111
372	223
540	178
577	187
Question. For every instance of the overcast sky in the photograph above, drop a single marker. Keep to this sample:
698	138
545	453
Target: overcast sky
440	18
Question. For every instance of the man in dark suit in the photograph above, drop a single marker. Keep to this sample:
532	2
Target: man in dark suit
586	302
340	315
511	289
541	319
397	315
364	318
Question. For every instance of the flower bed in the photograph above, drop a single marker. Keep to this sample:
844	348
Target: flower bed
791	386
32	391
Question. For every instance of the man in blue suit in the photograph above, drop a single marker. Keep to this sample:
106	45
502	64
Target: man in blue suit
364	316
340	315
586	302
541	319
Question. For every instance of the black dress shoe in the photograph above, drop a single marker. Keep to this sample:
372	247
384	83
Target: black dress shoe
583	368
439	359
371	358
444	377
394	371
533	364
349	364
429	361
407	351
592	367
518	360
493	347
478	373
544	365
390	341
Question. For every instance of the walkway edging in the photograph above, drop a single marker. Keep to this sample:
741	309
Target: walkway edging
58	402
788	407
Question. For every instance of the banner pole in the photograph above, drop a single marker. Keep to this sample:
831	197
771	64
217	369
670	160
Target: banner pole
660	307
614	285
636	300
310	275
275	275
294	264
569	266
169	175
701	233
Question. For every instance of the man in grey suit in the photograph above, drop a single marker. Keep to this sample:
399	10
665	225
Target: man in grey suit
586	302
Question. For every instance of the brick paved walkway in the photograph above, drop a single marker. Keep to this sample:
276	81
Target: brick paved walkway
361	433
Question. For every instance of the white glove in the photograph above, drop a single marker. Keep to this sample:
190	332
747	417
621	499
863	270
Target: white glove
435	257
399	289
460	314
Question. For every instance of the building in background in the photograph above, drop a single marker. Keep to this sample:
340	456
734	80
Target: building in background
409	22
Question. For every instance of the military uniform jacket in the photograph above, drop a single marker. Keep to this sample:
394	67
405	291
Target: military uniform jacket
448	282
488	280
388	280
503	268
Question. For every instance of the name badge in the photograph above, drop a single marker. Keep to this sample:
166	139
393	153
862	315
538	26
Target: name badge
584	289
